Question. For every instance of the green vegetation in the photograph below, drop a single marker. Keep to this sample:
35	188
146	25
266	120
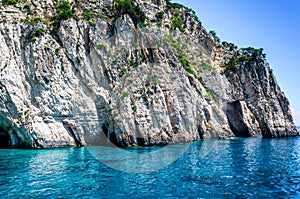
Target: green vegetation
122	7
177	22
134	108
180	52
9	2
174	6
89	14
177	6
247	55
35	20
38	32
102	45
124	95
133	63
194	14
205	66
143	25
154	80
208	92
56	52
123	71
214	34
229	46
142	56
159	18
62	68
64	10
159	23
160	15
27	6
92	22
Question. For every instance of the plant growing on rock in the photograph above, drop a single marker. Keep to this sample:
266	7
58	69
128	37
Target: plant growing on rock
9	2
102	45
35	20
177	22
247	55
122	7
124	95
64	9
174	6
214	34
38	32
180	52
160	15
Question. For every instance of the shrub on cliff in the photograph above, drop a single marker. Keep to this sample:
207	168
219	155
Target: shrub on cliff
177	22
214	34
64	9
122	7
247	55
9	2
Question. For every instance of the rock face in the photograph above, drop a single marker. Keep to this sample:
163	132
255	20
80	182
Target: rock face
96	77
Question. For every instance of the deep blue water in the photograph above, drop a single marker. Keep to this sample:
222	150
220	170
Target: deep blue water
238	168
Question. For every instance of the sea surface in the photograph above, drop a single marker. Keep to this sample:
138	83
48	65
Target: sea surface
233	168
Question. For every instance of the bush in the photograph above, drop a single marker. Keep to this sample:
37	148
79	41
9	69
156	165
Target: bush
174	5
38	32
88	14
143	25
133	63
177	23
247	55
64	10
214	34
9	2
160	15
122	7
34	21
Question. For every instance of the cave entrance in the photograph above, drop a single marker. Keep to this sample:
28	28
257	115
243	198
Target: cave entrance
234	113
4	139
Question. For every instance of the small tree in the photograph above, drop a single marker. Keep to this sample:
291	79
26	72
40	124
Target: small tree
64	9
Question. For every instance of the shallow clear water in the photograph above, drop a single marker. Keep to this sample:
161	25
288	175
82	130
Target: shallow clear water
238	168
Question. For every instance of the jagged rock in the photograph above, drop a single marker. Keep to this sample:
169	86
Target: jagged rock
85	83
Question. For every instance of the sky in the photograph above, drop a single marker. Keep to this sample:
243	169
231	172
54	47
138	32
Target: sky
271	25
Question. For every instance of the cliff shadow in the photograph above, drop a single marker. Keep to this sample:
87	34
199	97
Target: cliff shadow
234	113
4	139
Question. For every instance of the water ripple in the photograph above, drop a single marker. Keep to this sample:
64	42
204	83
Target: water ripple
240	168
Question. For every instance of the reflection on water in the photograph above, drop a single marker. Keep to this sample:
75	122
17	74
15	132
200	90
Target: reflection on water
138	159
247	168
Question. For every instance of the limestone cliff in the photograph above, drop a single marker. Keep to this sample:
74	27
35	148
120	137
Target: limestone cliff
138	72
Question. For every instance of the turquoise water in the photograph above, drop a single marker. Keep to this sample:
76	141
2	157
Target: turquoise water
238	168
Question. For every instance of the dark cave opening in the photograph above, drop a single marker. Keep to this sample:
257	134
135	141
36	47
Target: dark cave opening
234	113
4	139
